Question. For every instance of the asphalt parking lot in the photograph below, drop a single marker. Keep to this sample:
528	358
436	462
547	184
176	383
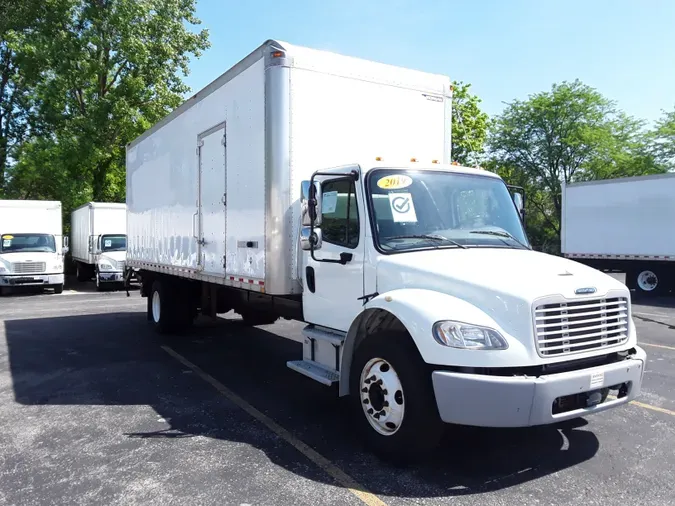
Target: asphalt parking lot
96	409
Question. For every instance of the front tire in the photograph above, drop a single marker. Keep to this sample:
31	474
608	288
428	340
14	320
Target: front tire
392	398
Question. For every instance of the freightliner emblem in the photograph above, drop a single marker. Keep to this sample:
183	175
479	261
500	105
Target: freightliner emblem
584	291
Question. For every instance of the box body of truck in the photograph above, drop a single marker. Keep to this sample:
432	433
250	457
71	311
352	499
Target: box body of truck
32	247
312	186
213	190
98	241
623	224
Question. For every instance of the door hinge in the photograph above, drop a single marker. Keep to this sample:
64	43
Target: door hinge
223	141
224	262
224	199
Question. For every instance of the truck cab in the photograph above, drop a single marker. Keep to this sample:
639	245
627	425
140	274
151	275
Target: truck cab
32	247
109	251
426	303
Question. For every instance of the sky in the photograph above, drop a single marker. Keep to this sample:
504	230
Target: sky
506	49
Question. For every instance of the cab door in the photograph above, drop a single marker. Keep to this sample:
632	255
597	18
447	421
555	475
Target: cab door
332	290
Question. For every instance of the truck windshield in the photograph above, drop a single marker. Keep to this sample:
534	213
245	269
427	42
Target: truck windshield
114	242
431	209
25	243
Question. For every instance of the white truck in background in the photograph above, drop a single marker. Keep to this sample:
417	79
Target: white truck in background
99	242
623	224
311	186
32	246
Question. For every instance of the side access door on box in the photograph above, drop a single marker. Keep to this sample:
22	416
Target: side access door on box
212	206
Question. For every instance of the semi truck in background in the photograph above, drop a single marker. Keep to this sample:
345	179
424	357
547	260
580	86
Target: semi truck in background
32	246
623	224
99	242
316	187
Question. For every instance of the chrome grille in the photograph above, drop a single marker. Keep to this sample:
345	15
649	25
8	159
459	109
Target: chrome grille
568	327
28	267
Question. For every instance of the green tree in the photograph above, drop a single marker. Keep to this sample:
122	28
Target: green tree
664	140
16	98
570	133
469	126
113	68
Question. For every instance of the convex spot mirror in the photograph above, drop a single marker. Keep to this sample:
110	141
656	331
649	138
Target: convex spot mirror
310	238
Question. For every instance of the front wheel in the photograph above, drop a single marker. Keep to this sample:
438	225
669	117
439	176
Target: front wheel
393	399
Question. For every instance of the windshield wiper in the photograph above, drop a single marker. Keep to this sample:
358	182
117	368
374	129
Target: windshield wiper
499	233
431	237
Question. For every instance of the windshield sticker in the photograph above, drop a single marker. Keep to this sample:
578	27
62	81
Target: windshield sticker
329	202
397	182
6	243
107	243
9	237
402	208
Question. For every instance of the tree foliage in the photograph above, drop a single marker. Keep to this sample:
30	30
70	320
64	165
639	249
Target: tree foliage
664	140
570	133
110	69
469	126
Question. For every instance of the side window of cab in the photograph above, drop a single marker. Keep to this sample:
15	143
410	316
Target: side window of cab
340	215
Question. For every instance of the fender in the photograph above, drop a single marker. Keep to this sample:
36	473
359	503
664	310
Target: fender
418	310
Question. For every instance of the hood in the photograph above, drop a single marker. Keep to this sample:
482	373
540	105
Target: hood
31	256
117	256
502	282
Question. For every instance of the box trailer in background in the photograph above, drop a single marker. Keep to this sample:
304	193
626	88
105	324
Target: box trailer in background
311	186
98	233
32	247
624	224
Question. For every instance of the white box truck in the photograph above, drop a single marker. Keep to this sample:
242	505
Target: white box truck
32	246
623	224
312	186
99	242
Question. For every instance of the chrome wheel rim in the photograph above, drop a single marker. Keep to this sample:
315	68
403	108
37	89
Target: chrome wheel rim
381	394
156	307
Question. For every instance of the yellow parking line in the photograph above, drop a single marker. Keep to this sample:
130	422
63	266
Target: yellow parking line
658	346
335	472
653	408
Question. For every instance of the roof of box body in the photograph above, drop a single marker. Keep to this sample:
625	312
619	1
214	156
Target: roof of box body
303	57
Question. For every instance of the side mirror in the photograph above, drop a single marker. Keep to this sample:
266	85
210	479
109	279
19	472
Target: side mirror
311	193
90	248
65	248
310	239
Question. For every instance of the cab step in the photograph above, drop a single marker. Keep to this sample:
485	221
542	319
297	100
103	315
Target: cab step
315	333
315	371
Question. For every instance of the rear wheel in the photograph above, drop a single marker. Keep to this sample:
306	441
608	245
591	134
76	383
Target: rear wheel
82	273
648	281
393	399
169	309
254	318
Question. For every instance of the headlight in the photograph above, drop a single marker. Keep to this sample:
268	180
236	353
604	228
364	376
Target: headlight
468	337
105	266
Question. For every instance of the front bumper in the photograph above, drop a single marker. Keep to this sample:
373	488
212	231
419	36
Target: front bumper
111	276
523	401
31	279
